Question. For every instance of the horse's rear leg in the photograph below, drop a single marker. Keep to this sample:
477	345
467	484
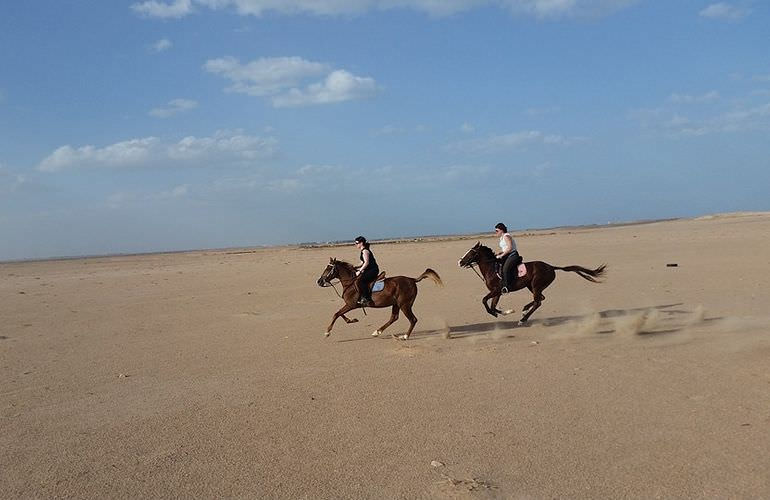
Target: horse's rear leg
407	310
529	313
393	317
339	313
539	283
539	298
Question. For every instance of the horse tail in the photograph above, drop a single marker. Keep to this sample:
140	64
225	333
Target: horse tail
430	273
588	274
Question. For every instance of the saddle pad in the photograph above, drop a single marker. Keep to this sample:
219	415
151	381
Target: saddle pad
378	286
522	270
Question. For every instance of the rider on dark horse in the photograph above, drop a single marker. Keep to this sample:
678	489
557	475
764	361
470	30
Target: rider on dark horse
367	272
508	257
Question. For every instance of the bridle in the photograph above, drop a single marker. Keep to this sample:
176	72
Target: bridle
472	264
331	269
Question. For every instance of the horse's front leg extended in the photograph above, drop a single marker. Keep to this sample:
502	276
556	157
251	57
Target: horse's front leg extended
491	310
341	312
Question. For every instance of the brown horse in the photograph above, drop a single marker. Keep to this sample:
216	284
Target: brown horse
399	293
539	275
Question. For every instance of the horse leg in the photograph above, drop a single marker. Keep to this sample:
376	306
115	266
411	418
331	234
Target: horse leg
538	300
393	317
347	320
407	310
537	297
488	296
341	312
540	282
493	304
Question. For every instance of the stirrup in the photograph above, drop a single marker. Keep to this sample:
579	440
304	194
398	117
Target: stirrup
504	289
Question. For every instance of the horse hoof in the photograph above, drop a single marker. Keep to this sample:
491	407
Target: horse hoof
522	322
403	337
376	333
326	334
354	320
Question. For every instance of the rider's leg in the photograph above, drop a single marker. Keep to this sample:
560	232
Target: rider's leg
364	285
503	283
510	273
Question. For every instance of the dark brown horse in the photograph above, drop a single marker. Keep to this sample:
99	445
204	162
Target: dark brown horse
399	294
539	275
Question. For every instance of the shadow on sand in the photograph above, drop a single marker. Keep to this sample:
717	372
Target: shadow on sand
460	331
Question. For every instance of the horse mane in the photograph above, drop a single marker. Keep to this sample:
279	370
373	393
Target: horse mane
486	251
345	264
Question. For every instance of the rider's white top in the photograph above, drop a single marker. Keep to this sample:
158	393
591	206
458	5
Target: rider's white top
504	243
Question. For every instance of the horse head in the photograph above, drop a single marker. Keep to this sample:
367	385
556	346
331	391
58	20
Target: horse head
471	256
329	274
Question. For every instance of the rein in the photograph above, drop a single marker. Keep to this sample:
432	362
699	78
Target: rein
343	289
473	266
335	288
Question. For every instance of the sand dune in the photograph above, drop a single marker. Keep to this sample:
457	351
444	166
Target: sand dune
207	374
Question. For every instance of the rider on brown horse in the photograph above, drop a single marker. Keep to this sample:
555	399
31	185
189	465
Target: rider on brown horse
367	272
508	257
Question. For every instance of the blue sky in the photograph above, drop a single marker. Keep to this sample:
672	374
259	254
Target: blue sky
166	125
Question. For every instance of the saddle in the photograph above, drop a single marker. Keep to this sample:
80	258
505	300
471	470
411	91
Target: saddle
375	286
521	270
379	283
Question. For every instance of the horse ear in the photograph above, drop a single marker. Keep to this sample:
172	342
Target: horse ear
331	260
478	244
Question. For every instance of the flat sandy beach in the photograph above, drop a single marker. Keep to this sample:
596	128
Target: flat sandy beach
207	374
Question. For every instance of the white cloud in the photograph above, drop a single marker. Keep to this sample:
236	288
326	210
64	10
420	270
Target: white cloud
539	8
163	10
310	170
736	120
467	128
543	8
222	143
279	78
173	107
177	192
389	130
224	147
264	76
284	185
121	199
338	86
724	11
399	130
9	181
688	99
124	153
513	140
161	45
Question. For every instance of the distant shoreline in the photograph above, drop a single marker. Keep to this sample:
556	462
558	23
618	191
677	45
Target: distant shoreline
401	239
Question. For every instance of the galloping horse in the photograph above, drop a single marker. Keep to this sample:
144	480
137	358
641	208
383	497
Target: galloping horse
539	275
399	293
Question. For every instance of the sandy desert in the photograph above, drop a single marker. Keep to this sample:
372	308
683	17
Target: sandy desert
206	374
